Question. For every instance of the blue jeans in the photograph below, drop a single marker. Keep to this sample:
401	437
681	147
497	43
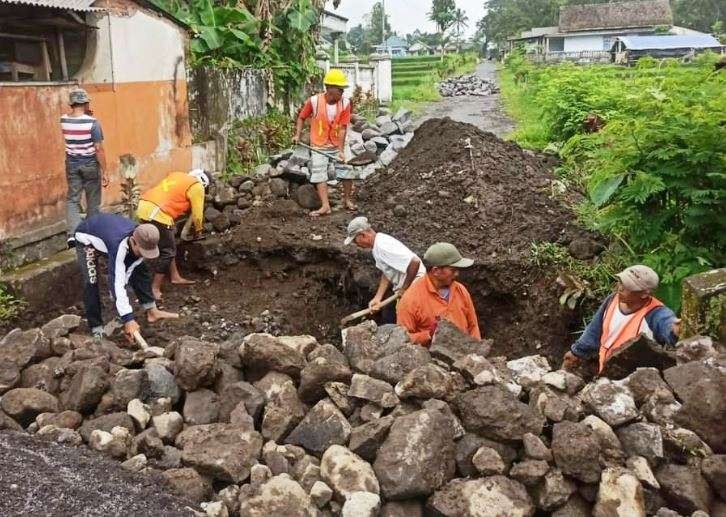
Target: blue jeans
85	177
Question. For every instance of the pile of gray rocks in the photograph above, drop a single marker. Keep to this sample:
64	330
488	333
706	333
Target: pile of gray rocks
467	85
262	425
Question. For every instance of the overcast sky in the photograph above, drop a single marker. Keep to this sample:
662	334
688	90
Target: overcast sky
406	16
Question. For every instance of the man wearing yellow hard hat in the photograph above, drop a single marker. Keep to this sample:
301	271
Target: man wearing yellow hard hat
329	114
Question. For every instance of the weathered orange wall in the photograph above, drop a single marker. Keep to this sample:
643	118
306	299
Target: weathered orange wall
149	120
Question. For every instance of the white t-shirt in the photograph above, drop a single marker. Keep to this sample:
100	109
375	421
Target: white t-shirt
392	258
618	321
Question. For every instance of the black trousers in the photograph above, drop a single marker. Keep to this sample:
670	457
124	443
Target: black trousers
167	248
140	282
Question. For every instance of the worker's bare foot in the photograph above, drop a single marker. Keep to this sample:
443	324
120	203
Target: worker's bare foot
157	294
321	212
153	315
182	281
350	206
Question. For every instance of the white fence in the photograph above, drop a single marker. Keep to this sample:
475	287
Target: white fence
374	77
583	56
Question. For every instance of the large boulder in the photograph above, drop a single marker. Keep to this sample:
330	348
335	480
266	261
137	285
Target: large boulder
128	385
450	344
495	495
642	439
361	346
86	390
22	348
610	401
161	383
373	390
9	377
555	490
528	371
283	412
430	381
221	451
418	456
24	404
318	372
280	495
61	326
393	367
576	449
685	489
233	394
323	426
619	493
345	472
189	484
714	469
106	423
644	382
264	352
366	439
201	407
494	412
194	361
700	387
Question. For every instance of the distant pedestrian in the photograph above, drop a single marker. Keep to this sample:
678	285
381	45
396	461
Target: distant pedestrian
86	170
438	296
329	113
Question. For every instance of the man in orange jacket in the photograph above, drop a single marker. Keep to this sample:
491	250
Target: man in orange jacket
437	295
161	206
629	313
329	115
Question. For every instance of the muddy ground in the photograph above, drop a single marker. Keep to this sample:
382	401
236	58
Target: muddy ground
43	478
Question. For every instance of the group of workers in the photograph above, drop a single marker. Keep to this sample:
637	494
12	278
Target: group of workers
426	291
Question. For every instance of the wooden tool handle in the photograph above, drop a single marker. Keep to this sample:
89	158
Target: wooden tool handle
366	312
140	340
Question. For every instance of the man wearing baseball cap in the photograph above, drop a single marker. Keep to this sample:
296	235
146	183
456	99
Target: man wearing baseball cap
86	170
624	316
126	245
400	266
437	295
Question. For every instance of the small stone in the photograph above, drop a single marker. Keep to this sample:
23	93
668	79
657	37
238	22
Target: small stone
373	390
575	448
554	490
346	473
115	444
639	466
215	509
529	472
60	435
556	380
611	402
535	448
488	462
168	425
259	474
139	412
323	426
321	494
529	370
642	439
361	504
135	463
620	493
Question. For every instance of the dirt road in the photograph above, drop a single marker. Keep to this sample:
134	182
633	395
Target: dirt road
486	113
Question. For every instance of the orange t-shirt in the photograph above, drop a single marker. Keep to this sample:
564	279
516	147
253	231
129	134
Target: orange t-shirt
422	305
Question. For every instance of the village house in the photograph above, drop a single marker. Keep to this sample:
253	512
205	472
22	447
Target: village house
420	49
588	32
394	46
130	57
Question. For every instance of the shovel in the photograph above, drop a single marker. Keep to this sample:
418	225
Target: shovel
366	312
365	158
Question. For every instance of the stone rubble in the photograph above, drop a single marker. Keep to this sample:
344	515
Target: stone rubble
287	426
470	84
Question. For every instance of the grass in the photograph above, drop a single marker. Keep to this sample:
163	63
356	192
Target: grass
10	306
531	130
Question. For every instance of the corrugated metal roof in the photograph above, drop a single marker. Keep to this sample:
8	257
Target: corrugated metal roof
669	42
71	5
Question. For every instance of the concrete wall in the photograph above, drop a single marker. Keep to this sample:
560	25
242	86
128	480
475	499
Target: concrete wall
374	77
217	98
581	43
134	71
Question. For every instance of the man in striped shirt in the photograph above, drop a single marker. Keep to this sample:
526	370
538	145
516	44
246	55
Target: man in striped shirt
85	160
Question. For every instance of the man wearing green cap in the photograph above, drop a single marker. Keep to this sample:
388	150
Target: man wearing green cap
437	296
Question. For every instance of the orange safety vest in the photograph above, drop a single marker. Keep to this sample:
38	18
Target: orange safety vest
627	332
170	195
323	133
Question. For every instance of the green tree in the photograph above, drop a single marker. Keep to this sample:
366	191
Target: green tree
443	14
376	30
461	22
356	38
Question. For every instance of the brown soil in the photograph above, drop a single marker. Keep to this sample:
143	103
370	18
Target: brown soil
42	478
282	272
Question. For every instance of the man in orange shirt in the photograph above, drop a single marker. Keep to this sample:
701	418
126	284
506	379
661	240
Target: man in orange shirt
437	296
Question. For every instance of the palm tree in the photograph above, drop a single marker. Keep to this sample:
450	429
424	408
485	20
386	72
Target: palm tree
442	14
460	23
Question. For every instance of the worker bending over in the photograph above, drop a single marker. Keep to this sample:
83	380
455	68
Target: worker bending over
630	312
400	266
329	114
437	295
176	195
126	245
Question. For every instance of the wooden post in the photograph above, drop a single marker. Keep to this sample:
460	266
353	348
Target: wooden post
62	55
46	60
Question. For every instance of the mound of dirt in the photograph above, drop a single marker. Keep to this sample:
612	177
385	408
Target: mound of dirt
459	184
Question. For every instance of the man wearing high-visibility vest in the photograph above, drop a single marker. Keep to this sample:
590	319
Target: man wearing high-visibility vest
177	194
329	113
630	312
